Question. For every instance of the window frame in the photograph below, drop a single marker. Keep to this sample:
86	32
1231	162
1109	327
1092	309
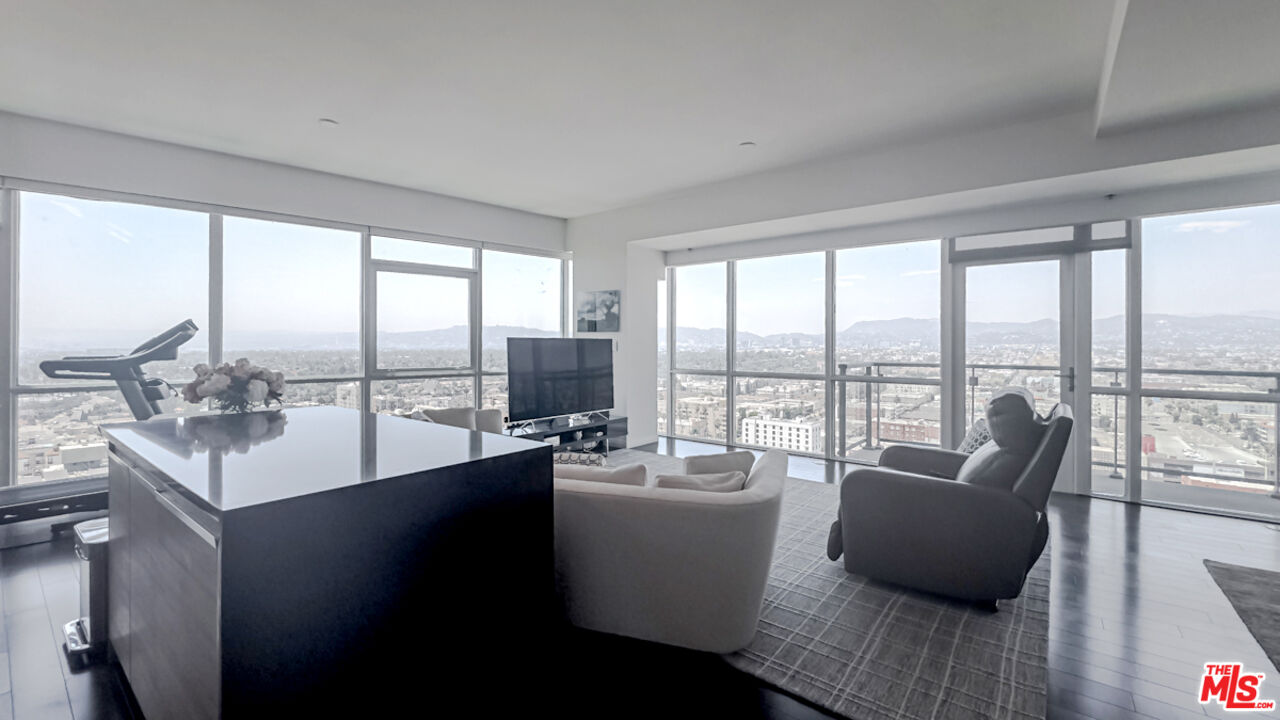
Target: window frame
10	283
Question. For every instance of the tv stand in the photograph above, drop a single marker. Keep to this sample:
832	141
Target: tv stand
597	434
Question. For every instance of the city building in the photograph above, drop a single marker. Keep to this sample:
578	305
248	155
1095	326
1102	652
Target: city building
835	230
795	435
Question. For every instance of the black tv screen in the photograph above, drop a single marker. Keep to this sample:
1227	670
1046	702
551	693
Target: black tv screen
549	377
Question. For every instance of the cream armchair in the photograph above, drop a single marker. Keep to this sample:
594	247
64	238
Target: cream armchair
489	420
681	567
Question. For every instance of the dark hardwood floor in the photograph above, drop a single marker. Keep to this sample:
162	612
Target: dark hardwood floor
1133	617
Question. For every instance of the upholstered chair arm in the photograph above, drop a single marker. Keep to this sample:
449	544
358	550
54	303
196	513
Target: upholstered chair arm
934	462
957	539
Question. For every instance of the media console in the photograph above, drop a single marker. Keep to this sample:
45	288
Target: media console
598	435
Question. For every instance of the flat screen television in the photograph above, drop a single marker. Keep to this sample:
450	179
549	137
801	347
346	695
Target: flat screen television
550	377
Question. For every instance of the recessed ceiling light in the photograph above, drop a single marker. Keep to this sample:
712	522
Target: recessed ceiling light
327	122
746	144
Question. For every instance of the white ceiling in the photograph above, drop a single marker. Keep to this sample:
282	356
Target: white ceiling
561	107
573	107
1176	59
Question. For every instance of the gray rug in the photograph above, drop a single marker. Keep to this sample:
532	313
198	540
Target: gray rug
1254	594
867	650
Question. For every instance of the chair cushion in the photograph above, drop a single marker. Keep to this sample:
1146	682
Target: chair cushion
625	475
740	460
992	466
1016	432
731	481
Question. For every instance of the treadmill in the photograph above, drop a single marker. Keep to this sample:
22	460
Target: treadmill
143	394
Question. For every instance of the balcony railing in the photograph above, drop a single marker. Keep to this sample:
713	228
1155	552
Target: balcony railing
1262	388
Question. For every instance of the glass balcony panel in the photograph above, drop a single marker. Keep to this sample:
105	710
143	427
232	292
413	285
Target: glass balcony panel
1107	446
878	415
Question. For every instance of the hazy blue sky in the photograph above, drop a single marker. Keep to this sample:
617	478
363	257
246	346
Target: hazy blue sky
93	267
102	270
1218	262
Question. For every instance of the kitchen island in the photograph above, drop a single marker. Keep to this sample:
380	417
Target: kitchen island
324	561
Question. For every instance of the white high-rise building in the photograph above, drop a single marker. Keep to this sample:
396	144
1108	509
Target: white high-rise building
796	435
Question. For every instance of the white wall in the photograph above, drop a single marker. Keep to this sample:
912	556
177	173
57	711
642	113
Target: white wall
601	262
44	151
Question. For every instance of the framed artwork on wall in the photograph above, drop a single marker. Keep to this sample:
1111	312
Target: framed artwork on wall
598	310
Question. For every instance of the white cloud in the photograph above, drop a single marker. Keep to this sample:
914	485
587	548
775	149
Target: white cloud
918	273
1214	226
119	236
116	228
71	209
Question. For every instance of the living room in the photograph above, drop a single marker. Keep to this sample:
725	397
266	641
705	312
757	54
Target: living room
872	359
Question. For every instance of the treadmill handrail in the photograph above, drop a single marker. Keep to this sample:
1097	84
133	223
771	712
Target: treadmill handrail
161	347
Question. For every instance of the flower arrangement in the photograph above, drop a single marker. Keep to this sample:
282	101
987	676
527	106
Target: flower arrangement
235	388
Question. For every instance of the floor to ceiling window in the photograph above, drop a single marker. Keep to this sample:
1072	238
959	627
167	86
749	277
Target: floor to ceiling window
96	277
1211	359
522	297
778	345
699	404
833	354
664	360
887	328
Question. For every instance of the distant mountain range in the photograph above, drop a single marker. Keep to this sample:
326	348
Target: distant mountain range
1224	330
447	338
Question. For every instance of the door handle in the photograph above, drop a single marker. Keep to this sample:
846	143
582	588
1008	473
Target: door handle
1070	375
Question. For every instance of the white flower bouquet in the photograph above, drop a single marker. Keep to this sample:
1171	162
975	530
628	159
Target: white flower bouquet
235	388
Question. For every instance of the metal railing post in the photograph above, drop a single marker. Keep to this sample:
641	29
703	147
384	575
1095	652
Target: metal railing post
1275	441
973	390
868	442
1115	432
841	410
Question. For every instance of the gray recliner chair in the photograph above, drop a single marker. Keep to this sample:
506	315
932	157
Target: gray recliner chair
965	526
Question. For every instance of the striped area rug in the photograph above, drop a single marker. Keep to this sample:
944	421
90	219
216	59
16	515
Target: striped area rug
863	649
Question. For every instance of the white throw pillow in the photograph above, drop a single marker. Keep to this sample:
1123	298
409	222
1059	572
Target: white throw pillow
740	460
624	475
732	481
